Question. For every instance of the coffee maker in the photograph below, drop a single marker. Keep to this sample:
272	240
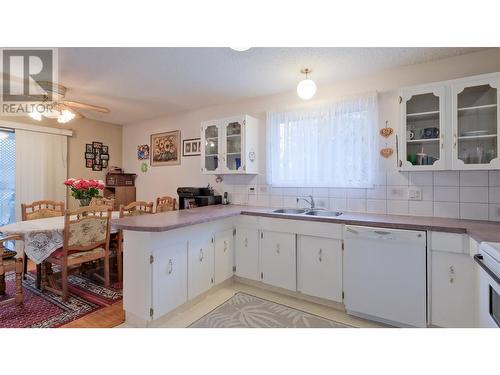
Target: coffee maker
191	197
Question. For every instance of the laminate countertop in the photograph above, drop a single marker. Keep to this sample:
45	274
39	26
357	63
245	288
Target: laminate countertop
165	221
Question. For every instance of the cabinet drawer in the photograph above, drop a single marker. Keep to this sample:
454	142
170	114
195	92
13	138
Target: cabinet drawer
450	242
311	228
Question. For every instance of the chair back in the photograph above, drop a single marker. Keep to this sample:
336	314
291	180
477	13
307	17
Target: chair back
136	209
165	204
6	253
101	201
41	210
87	228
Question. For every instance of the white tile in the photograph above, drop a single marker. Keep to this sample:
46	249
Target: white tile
446	178
494	178
473	194
252	200
427	192
289	191
380	178
320	192
356	193
275	190
377	206
263	200
397	207
377	192
421	178
447	209
421	208
322	202
397	192
473	178
397	178
304	191
276	201
337	193
289	202
494	195
475	211
339	204
494	212
446	193
356	204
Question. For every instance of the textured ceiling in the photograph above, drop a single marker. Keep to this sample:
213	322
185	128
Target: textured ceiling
143	83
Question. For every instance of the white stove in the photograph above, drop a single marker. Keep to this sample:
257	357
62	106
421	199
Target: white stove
489	284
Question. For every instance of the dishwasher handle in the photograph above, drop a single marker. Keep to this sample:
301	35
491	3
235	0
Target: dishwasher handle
372	234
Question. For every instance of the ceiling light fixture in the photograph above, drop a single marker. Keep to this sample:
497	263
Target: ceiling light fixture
306	88
240	49
62	117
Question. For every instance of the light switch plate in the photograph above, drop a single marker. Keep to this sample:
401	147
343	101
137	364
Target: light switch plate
252	190
414	194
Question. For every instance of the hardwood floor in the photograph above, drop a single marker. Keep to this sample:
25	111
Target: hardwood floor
105	318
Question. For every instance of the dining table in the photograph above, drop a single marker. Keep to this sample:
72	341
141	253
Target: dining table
40	237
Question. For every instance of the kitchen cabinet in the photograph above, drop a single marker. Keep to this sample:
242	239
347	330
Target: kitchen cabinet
475	123
247	253
451	125
200	264
224	256
230	146
319	267
170	277
452	290
278	259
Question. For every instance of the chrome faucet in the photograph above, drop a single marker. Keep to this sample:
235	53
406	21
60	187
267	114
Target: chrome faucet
310	201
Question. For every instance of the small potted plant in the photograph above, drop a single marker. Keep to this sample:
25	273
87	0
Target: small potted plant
84	190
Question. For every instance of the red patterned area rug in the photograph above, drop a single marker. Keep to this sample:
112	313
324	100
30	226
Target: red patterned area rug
47	310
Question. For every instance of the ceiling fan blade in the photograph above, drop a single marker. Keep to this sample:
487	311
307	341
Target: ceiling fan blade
91	107
61	106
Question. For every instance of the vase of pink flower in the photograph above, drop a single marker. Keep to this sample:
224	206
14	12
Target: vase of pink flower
84	190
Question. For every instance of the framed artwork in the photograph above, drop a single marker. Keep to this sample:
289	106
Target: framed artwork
104	157
104	149
96	156
165	148
89	148
89	155
143	152
88	163
97	167
191	147
96	145
104	163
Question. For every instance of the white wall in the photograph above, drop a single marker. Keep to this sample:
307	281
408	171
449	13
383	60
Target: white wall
449	194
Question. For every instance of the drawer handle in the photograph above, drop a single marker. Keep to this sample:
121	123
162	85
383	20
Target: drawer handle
320	255
225	246
452	274
201	255
246	242
170	266
278	248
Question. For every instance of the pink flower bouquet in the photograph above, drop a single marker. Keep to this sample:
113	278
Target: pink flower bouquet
84	190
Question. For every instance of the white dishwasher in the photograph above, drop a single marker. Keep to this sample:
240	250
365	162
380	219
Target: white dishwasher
385	275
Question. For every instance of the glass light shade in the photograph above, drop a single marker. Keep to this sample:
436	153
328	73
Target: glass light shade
306	89
65	116
36	116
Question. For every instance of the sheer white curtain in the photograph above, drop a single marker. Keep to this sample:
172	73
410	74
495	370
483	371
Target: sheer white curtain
41	167
330	146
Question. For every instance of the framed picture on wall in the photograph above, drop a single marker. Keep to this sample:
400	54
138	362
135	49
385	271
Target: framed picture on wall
104	149
165	148
89	148
89	163
191	147
96	167
97	145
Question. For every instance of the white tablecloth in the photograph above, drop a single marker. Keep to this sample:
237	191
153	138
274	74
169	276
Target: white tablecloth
41	237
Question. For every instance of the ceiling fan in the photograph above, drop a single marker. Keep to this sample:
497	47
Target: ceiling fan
52	104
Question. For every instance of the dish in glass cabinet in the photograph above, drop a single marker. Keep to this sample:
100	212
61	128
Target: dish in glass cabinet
471	133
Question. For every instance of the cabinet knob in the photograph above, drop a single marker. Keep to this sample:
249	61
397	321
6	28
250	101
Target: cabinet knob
201	255
170	266
320	255
278	248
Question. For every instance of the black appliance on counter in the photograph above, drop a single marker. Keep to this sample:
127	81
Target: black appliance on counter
190	197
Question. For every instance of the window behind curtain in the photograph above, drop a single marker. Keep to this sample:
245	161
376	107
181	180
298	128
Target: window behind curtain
329	146
7	177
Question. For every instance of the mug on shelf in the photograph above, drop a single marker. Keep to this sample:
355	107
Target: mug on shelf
430	133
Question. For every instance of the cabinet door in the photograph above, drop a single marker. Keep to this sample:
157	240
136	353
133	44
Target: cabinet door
233	154
200	265
211	148
423	119
319	267
169	278
247	253
278	259
476	124
224	256
452	290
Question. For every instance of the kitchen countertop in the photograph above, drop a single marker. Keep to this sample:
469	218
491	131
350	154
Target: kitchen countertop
165	221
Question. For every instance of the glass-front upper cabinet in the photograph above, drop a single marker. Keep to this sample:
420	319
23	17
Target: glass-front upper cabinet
475	123
423	121
233	136
210	147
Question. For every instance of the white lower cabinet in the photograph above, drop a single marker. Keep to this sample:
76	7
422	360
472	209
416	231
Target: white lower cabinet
247	253
224	256
452	290
278	259
319	267
169	278
200	265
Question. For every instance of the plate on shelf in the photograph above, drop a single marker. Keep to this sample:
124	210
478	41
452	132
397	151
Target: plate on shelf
471	133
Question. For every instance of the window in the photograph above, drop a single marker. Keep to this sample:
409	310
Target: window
7	176
329	146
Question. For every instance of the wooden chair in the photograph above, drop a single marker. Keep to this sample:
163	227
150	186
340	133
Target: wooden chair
131	209
164	204
86	239
9	263
101	201
39	210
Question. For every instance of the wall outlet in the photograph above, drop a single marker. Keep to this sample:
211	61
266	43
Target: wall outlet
252	190
414	194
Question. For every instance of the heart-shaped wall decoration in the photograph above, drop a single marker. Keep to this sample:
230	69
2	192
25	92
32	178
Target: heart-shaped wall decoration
386	152
386	132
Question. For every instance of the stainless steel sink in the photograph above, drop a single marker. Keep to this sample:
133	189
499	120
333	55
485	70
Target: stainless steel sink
295	211
323	213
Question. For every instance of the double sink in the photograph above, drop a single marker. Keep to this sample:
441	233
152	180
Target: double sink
309	212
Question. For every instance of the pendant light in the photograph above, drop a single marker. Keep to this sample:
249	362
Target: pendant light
306	88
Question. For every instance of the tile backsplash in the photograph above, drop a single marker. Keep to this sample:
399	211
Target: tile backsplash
453	194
